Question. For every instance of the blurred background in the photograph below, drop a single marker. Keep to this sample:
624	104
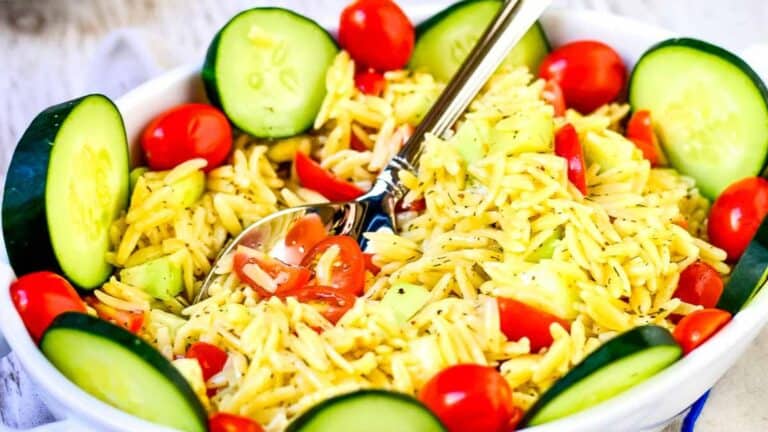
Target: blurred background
54	50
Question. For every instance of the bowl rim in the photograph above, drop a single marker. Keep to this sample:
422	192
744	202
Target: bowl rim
94	412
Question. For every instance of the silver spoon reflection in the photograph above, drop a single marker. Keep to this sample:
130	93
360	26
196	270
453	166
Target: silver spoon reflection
376	208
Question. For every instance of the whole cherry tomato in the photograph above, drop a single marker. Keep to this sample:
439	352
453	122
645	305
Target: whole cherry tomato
698	326
333	302
640	131
42	296
518	320
286	277
187	132
349	275
568	147
377	34
223	422
469	397
700	284
590	73
736	214
210	357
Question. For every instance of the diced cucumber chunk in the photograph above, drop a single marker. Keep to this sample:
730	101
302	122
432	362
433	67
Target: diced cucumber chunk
405	300
161	277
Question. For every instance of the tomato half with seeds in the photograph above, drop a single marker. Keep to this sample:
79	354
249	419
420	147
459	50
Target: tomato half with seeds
348	271
333	303
285	276
303	236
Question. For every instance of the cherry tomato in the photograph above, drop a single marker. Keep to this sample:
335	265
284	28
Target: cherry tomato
369	265
700	284
223	422
640	131
302	237
517	415
42	296
567	146
210	357
370	82
333	302
417	206
357	144
553	95
697	327
186	132
313	176
287	277
518	320
469	397
129	320
736	214
349	273
377	34
590	73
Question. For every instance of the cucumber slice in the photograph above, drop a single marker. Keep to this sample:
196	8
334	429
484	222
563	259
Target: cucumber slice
266	70
749	275
445	40
122	370
355	412
67	183
710	110
619	364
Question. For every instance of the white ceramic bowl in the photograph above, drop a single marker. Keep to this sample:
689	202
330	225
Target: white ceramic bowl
645	407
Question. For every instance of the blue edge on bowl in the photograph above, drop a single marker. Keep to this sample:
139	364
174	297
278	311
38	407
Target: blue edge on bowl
689	422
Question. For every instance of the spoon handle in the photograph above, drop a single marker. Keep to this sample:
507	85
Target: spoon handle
514	19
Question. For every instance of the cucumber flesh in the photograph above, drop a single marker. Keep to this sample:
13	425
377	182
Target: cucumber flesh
266	69
618	365
161	277
120	369
445	40
369	411
749	275
710	111
67	183
405	300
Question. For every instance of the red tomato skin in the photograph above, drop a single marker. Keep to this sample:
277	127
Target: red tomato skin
337	301
297	277
224	422
736	214
469	397
370	82
42	296
698	326
567	146
129	320
377	34
590	73
186	132
210	357
640	131
518	320
553	95
369	265
350	276
313	176
700	284
303	236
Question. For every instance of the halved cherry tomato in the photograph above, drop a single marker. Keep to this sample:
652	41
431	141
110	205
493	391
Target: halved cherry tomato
223	422
567	146
370	82
186	132
348	273
417	206
42	296
377	34
129	320
210	357
313	176
553	95
369	265
356	144
699	284
697	327
640	131
302	237
469	397
286	276
590	73
736	214
518	320
333	302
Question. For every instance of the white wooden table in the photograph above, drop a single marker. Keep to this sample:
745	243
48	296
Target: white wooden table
46	46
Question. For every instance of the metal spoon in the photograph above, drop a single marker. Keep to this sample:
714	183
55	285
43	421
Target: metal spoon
376	208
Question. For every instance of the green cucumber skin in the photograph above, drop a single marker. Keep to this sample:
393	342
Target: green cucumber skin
748	274
119	336
25	228
305	419
616	348
209	65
